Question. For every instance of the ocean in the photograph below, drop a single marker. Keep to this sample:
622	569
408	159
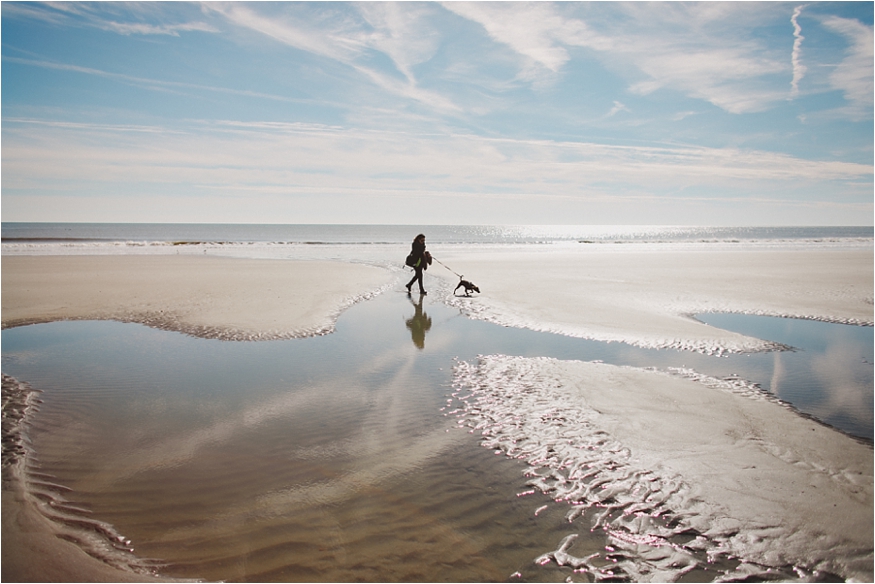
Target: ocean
123	237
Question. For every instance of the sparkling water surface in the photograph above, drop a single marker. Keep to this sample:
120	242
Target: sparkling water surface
182	233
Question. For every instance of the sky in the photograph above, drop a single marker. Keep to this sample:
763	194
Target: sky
739	113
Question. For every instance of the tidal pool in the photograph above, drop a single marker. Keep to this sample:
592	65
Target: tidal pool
828	374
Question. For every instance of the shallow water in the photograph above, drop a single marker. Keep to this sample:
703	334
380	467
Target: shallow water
828	374
331	458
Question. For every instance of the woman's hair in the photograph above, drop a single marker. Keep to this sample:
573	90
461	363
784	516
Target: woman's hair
420	236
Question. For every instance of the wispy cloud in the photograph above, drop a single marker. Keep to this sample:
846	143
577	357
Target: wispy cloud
34	11
685	48
323	159
299	172
618	107
394	31
796	57
143	28
335	43
402	33
681	115
853	75
269	172
88	15
122	128
146	82
535	31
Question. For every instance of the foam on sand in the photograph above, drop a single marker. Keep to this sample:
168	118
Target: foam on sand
677	470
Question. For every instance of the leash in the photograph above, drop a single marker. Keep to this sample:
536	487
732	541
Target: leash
446	266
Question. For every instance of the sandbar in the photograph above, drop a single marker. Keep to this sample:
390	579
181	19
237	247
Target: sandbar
647	298
756	480
215	297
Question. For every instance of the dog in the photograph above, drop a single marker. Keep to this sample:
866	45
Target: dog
468	286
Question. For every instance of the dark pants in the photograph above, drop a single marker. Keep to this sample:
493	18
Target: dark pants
417	276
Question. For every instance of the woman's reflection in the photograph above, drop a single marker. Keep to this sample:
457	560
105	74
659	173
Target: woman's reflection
419	323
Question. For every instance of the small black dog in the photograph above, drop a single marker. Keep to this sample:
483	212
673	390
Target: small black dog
469	287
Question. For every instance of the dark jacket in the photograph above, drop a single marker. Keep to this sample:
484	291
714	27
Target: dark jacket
419	258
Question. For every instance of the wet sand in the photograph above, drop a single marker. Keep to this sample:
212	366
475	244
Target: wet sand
647	298
213	297
638	297
783	480
749	477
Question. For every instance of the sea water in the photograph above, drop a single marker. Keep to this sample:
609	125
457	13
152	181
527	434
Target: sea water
83	237
335	458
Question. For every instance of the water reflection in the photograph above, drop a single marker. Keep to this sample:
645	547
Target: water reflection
419	323
827	375
776	384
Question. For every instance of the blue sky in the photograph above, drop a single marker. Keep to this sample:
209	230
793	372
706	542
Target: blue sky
481	113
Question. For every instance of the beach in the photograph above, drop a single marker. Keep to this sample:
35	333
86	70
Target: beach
212	297
754	474
810	483
647	298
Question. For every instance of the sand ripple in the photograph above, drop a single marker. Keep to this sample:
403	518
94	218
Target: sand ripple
72	522
660	524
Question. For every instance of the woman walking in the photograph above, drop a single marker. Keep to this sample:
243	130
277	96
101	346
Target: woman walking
420	261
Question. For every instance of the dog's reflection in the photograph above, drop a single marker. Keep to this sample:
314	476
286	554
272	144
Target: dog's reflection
419	323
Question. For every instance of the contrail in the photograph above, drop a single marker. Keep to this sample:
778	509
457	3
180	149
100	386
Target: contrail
798	68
